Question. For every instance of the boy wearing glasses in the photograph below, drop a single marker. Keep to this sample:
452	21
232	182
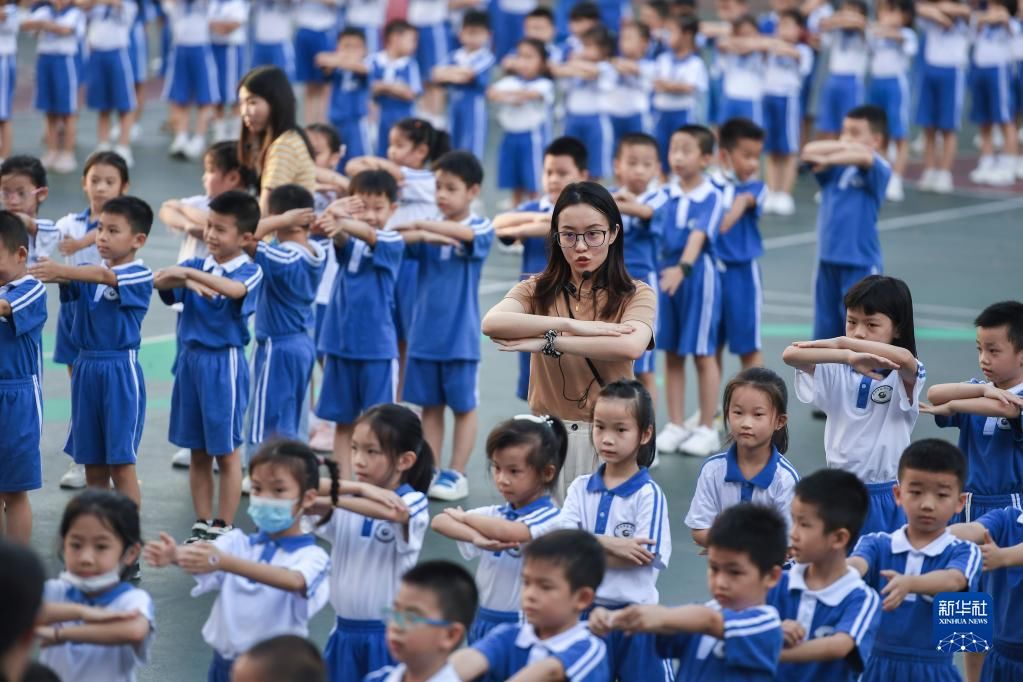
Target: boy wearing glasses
23	188
432	612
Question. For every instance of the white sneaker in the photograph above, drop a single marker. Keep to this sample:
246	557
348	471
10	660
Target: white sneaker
917	144
671	438
942	182
982	174
73	478
692	421
125	153
1004	173
194	148
769	203
926	182
703	443
817	197
784	204
177	148
246	485
136	132
65	163
450	485
182	459
219	132
895	191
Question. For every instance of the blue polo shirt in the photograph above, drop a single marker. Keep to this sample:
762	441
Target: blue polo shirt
21	331
291	276
851	199
110	318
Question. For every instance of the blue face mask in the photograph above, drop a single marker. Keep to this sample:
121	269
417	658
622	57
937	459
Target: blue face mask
270	514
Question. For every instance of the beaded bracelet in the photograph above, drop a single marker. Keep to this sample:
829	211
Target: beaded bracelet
548	349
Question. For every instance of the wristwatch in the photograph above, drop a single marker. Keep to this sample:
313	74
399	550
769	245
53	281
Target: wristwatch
686	267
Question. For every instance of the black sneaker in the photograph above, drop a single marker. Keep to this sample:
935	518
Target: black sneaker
217	528
200	532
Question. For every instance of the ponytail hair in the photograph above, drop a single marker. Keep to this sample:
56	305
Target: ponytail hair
773	386
304	466
399	430
546	436
634	392
420	131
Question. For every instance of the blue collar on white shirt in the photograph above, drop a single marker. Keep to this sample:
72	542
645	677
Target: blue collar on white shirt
733	474
698	193
900	543
626	489
289	544
84	217
211	264
102	599
512	514
527	638
833	594
404	489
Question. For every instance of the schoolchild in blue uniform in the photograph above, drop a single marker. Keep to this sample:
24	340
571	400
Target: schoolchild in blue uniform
466	74
443	339
229	32
23	188
629	100
680	80
367	16
508	18
736	635
348	108
829	615
689	309
110	80
587	80
843	89
22	316
394	78
910	566
271	35
560	575
609	12
10	24
429	18
271	582
192	78
987	413
138	55
743	65
285	353
316	26
110	299
628	513
211	381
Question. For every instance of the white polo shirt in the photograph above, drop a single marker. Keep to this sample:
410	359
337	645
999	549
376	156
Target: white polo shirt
946	47
271	22
110	27
234	11
636	508
869	422
689	69
76	226
396	673
848	52
529	115
586	97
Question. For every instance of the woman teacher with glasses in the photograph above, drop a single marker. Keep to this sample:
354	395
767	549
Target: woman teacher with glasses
583	318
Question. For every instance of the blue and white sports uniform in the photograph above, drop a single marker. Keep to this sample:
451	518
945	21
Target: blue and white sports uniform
737	251
211	380
520	155
21	391
403	70
368	558
890	61
430	17
245	612
1005	660
9	28
994	452
508	20
316	23
138	41
783	108
56	71
396	673
509	648
722	485
749	651
674	110
843	88
285	353
903	648
587	118
848	246
110	77
942	88
230	51
44	242
629	101
348	110
467	102
635	508
690	319
367	15
846	606
742	86
75	226
642	248
869	426
358	337
271	35
991	75
108	391
499	574
113	662
444	340
192	76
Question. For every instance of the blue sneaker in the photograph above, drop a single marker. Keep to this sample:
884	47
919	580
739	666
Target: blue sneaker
449	485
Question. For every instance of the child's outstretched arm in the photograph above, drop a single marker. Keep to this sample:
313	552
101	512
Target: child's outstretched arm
985	400
373	501
901	358
446	228
806	357
469	663
224	286
69	246
899	586
742	203
492	527
47	270
129	628
664	620
449	524
995	557
271	223
365	163
831	648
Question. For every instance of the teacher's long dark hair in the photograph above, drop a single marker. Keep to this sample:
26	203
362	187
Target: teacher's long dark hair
610	275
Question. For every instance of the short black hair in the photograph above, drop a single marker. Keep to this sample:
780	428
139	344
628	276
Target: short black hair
576	551
476	18
137	212
858	6
793	14
688	23
329	132
585	10
635	140
461	164
602	38
1008	314
936	456
374	183
396	26
541	13
241	205
756	530
840	498
289	658
224	157
661	7
21	574
23	164
13	233
875	117
908	9
890	297
351	32
736	129
571	147
287	197
702	134
108	158
642	29
453	586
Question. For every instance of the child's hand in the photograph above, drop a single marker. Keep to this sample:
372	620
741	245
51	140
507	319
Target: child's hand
993	555
748	199
456	513
623	195
490	545
792	632
69	246
46	270
600	621
47	635
867	364
1003	396
671	279
897	589
201	289
160	552
632	550
202	557
388	498
175	272
943	410
440	239
633	619
299	217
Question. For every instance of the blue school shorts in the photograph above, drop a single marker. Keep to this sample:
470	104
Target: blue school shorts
488	619
454	383
108	408
405	297
350	387
782	123
1003	662
8	79
665	124
110	81
281	369
355	649
220	669
309	43
839	94
940	100
56	84
595	132
319	311
633	658
138	52
433	48
21	422
355	137
831	281
978	505
715	94
741	300
900	664
991	95
468	122
230	61
211	392
522	387
65	352
191	76
647	363
806	88
741	108
892	95
1017	88
690	320
281	55
883	515
623	125
520	160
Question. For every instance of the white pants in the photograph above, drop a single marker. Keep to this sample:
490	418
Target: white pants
580	459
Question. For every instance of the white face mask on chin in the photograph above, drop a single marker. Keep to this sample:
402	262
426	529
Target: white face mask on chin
94	583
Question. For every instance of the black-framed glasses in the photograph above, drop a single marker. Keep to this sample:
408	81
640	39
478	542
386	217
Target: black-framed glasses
592	238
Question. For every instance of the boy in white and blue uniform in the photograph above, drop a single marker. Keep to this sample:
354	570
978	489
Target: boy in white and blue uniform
110	77
629	100
367	16
75	226
56	71
285	353
23	184
916	562
508	17
742	75
192	77
991	91
827	512
467	114
230	54
394	66
680	81
429	17
783	82
348	106
586	107
843	89
316	23
893	47
520	155
9	27
271	35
